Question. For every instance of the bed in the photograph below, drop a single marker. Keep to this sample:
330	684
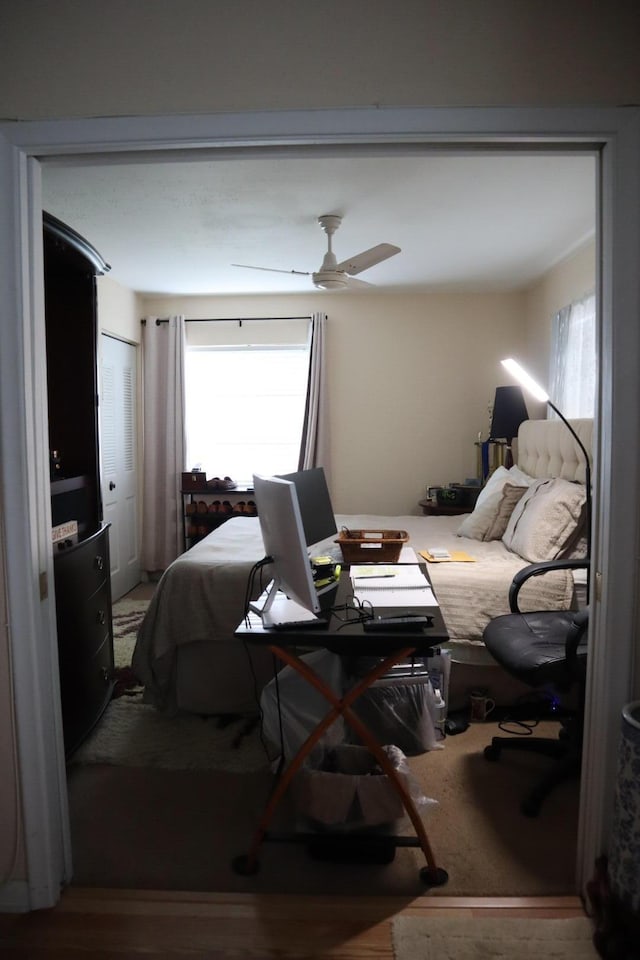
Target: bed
188	659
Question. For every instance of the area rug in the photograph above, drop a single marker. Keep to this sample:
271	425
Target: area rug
492	938
127	616
132	733
135	734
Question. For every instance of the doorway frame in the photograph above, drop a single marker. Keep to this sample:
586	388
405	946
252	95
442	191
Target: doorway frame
611	133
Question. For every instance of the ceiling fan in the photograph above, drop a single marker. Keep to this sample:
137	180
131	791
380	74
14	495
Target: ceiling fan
333	275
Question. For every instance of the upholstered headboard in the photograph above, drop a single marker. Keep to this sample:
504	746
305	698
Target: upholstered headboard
547	449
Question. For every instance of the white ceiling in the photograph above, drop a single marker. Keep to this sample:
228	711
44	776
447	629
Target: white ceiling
465	222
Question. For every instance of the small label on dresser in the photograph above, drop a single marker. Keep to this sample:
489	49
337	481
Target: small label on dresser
65	531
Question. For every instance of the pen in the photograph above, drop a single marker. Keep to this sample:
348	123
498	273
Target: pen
374	576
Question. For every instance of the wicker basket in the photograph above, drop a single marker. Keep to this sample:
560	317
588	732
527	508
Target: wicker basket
371	546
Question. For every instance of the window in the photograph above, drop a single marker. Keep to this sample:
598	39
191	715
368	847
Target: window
245	408
572	374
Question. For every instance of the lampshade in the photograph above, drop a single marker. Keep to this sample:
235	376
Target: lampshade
509	410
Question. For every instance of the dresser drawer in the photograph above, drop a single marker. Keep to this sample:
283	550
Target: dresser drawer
86	687
82	569
82	624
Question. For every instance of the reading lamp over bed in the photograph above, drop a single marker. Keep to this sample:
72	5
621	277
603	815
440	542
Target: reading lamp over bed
539	393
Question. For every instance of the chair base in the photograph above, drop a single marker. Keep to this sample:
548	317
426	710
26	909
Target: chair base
566	751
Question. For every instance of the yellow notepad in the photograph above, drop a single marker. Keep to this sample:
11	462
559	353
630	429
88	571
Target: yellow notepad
455	556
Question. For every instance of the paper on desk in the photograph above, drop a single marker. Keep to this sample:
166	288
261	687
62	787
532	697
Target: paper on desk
387	576
395	586
455	556
397	596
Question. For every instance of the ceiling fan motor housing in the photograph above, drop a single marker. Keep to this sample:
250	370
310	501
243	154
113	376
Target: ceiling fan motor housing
329	279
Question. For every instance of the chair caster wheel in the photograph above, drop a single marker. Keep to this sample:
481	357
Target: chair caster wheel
491	752
241	865
434	878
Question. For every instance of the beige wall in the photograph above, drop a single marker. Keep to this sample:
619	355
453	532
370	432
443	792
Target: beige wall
67	59
119	310
409	380
569	280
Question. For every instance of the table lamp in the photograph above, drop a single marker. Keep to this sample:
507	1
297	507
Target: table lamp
509	410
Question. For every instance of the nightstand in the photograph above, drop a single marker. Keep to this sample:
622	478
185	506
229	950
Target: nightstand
431	508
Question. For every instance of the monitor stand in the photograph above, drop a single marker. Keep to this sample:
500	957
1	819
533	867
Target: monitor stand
276	609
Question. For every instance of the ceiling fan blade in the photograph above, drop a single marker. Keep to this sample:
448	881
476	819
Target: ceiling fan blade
354	284
368	258
247	266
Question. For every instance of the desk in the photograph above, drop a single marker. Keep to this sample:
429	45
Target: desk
344	639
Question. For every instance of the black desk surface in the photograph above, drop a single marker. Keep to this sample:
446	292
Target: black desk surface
350	639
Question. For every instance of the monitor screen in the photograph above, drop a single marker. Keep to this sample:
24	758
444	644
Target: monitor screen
284	541
318	518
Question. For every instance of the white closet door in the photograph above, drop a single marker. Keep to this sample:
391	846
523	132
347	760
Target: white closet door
118	445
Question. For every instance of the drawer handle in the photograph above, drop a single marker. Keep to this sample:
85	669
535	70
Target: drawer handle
105	674
99	562
101	617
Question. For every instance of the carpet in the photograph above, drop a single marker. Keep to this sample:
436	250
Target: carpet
134	734
481	938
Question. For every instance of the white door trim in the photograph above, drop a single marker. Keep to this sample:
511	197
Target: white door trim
614	131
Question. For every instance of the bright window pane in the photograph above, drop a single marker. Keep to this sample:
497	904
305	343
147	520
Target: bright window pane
245	409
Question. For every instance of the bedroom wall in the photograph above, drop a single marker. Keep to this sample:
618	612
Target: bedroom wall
571	279
406	395
201	56
119	310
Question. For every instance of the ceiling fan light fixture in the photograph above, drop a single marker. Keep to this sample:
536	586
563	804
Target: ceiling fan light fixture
328	280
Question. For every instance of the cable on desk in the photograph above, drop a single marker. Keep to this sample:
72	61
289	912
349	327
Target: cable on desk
361	608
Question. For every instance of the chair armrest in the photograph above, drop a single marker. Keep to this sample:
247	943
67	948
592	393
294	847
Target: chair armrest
536	570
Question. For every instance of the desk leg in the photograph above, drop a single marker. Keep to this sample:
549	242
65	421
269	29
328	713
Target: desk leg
248	864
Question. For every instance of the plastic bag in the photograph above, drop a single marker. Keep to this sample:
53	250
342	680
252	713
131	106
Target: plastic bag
344	788
302	707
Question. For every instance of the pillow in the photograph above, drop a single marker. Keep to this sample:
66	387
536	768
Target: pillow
478	524
511	495
516	475
545	519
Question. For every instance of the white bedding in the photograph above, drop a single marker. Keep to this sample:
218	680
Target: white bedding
200	598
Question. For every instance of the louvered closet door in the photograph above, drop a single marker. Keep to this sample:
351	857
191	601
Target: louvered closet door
118	450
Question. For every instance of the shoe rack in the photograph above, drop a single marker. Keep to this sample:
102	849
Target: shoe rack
205	510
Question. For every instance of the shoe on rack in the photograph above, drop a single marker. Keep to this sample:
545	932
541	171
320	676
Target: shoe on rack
227	484
226	507
239	507
214	483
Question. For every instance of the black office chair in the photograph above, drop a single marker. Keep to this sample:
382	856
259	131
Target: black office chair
547	649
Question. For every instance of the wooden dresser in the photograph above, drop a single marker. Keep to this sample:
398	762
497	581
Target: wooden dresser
80	559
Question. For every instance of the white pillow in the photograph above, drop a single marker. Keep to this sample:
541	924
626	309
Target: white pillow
479	524
545	519
519	477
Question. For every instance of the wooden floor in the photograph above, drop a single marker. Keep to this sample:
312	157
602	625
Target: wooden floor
124	924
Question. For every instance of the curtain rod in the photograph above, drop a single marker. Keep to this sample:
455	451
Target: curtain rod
239	320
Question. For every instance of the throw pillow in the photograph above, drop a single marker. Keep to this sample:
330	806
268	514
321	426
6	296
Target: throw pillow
511	495
478	524
545	519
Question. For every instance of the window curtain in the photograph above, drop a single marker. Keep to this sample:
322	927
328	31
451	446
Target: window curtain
163	441
314	447
572	374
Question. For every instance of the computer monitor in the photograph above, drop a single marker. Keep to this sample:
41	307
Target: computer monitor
292	596
318	518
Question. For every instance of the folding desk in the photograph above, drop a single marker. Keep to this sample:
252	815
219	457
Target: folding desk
346	640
